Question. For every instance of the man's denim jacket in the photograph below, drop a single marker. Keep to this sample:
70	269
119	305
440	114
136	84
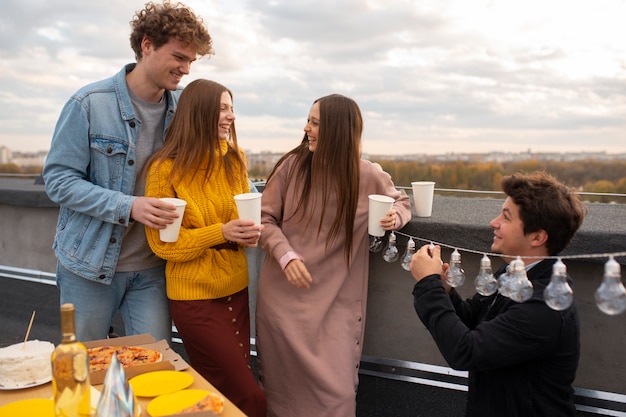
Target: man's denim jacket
90	173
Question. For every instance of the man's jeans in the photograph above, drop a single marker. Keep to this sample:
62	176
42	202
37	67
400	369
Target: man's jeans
139	296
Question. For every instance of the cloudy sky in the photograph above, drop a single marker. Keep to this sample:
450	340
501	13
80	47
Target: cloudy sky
431	76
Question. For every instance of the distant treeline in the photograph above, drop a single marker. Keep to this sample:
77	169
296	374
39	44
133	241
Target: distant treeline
591	176
12	168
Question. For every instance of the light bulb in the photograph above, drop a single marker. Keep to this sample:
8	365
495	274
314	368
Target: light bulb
558	295
391	252
521	289
611	295
503	282
486	283
376	244
455	276
410	250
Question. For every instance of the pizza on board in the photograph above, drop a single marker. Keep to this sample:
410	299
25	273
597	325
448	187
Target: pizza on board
100	357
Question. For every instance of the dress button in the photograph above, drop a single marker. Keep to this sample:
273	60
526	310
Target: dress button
230	308
234	320
112	240
240	344
237	332
230	298
101	277
122	220
131	162
132	123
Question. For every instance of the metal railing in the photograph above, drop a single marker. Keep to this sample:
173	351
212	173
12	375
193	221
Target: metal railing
589	401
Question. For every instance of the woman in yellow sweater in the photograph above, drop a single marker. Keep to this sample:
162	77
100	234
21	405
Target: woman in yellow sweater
206	271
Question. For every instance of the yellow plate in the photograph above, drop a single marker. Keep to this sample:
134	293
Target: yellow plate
35	407
156	383
167	404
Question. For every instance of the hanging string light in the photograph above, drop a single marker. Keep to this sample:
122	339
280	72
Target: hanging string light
514	283
486	284
611	295
503	283
558	294
520	285
455	276
391	253
376	244
406	258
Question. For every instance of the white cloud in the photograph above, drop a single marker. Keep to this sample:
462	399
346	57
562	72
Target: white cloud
434	76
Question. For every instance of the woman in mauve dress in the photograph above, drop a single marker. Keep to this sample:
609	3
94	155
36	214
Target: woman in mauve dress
312	292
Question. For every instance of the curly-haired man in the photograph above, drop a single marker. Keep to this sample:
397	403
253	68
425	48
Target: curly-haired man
105	133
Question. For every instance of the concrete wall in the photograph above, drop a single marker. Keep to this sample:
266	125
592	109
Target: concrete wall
392	328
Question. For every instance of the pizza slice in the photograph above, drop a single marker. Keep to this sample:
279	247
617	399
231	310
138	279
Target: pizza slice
212	402
100	357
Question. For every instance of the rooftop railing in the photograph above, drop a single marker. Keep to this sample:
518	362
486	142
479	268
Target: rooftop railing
397	347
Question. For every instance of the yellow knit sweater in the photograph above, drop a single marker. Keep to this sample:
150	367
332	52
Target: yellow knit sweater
194	271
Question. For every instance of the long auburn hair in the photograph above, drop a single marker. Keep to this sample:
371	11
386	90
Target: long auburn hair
333	168
193	135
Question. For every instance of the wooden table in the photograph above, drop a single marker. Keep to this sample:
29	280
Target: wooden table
45	391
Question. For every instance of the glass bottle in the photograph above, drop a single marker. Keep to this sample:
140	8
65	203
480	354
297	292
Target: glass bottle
70	371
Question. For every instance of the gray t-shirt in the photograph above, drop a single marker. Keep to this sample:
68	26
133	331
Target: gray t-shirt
136	254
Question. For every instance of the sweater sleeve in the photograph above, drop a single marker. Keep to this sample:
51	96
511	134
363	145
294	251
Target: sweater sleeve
194	238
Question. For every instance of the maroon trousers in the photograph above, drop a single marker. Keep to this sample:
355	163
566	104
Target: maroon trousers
216	336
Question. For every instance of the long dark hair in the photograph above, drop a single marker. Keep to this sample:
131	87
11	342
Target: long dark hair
334	166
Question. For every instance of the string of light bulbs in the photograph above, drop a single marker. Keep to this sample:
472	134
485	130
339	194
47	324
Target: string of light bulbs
610	296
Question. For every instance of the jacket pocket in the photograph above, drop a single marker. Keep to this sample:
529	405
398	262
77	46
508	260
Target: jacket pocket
108	159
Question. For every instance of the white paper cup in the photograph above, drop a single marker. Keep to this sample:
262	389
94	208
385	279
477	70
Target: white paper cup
379	206
423	197
170	233
249	206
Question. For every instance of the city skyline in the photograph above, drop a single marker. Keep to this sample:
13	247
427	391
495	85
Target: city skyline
447	76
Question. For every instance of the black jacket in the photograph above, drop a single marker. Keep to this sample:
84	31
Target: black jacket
521	357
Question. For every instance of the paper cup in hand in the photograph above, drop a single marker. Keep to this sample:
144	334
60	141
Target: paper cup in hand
423	197
249	206
379	206
170	233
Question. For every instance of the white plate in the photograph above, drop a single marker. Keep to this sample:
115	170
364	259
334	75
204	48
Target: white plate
29	385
